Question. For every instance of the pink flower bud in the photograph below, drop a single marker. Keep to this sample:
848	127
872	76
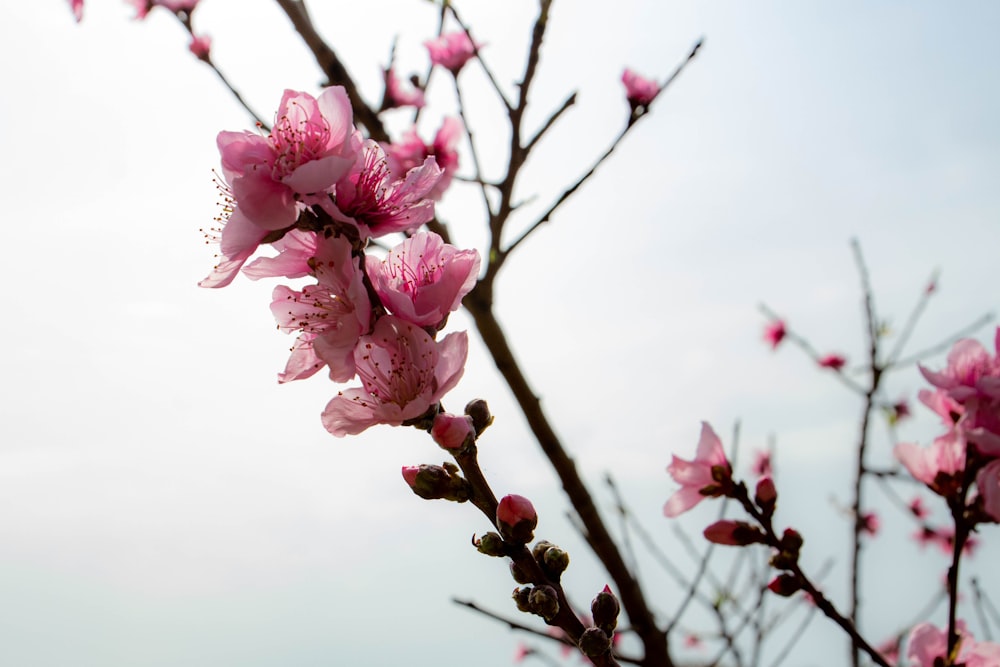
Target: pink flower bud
832	361
410	475
785	585
766	495
774	333
733	533
516	518
453	431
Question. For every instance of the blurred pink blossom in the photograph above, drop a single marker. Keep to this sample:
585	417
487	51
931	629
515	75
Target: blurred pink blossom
927	647
77	7
142	7
832	361
988	483
870	523
706	475
774	333
398	96
939	466
412	151
760	466
200	46
639	91
971	371
451	50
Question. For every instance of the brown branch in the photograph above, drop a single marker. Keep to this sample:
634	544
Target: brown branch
335	71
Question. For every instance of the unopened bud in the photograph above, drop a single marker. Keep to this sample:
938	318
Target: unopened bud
519	574
437	482
544	602
538	551
480	413
605	608
453	431
490	544
516	519
594	642
522	598
733	533
766	496
554	562
785	585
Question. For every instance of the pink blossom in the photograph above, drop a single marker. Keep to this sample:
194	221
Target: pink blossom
295	250
917	508
403	372
330	315
988	483
77	7
971	371
761	464
870	523
142	7
733	533
423	278
410	475
708	474
398	96
521	652
452	431
639	91
774	333
944	539
939	466
370	197
927	645
889	649
412	152
451	50
832	361
313	144
200	46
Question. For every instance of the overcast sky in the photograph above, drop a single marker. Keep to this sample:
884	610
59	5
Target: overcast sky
164	502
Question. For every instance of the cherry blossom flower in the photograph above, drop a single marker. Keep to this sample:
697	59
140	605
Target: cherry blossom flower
761	464
639	91
398	96
77	7
708	475
295	250
200	46
330	315
870	523
312	145
403	371
832	361
988	483
927	645
774	333
423	278
971	371
411	152
939	466
369	196
451	50
142	7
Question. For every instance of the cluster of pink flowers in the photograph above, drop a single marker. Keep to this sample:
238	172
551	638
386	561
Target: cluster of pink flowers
317	192
928	647
967	398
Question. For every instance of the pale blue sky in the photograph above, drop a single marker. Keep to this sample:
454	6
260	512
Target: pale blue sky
164	502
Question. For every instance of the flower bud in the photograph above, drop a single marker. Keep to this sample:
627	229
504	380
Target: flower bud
522	599
554	562
538	551
544	602
434	482
480	413
605	608
520	576
785	585
490	544
516	519
733	533
594	642
766	496
453	431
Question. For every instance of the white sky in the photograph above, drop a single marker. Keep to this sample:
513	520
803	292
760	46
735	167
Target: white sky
164	502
